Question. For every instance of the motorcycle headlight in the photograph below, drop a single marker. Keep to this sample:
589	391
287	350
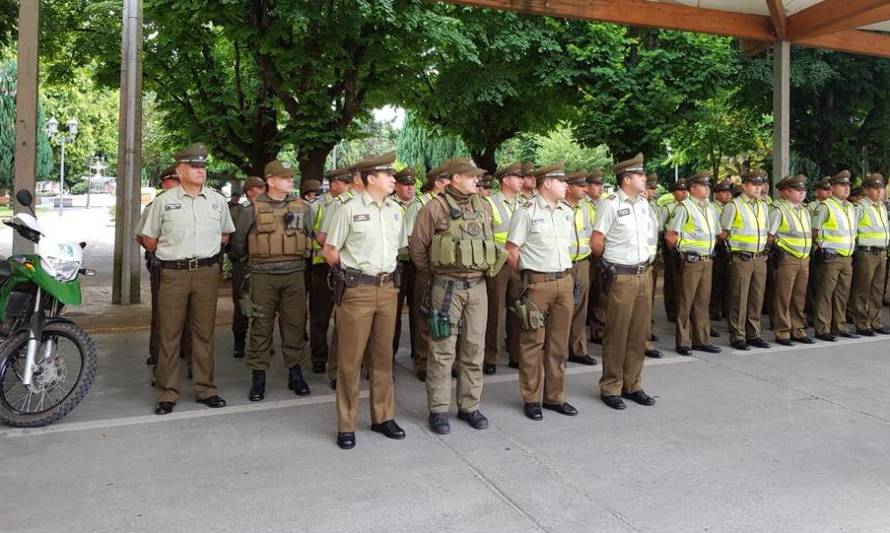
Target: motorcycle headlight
60	260
61	269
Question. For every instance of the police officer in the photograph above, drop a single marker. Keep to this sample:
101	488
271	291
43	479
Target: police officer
484	187
454	242
505	286
870	260
253	186
821	192
834	232
538	246
679	192
320	303
436	181
596	305
529	182
744	224
187	228
583	214
624	236
274	235
790	236
659	215
364	241
309	191
692	235
404	196
720	279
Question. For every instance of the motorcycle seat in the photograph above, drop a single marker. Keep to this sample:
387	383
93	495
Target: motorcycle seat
5	271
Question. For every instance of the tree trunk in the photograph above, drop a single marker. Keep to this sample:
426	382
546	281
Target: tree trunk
312	162
485	159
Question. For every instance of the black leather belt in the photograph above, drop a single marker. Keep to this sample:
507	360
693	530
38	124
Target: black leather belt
539	277
378	280
191	264
630	270
695	258
877	250
458	283
747	256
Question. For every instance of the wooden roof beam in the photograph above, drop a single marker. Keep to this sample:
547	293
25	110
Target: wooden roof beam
643	13
831	16
777	14
851	41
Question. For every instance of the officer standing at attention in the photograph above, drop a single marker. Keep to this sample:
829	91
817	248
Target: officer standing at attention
583	213
453	242
187	228
504	288
529	183
870	264
720	279
680	192
320	303
692	234
274	234
834	232
659	215
596	304
309	191
404	196
790	236
253	186
538	246
744	223
364	242
624	236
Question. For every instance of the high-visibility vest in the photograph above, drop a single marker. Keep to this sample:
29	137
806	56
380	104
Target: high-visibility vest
501	214
795	234
324	202
838	232
872	228
583	214
749	226
699	233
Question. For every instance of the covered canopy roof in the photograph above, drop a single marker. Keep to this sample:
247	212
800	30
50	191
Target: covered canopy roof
856	26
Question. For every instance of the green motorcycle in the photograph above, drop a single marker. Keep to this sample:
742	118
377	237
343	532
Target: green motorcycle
47	362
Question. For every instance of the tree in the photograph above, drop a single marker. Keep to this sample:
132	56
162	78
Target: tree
424	148
515	75
8	78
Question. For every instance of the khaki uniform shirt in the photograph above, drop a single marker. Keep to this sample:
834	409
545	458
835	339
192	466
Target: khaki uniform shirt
186	227
368	235
629	228
542	234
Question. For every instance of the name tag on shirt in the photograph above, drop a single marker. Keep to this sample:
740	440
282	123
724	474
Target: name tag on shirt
624	212
172	206
361	218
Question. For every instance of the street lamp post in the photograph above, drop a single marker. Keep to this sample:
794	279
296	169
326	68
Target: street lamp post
52	129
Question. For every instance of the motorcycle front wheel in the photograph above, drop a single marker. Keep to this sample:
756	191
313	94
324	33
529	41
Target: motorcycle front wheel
64	369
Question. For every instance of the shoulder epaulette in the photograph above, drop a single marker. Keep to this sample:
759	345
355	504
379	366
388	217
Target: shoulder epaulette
612	196
527	205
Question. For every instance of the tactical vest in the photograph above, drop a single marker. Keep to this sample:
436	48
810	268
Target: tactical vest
698	234
837	231
582	215
279	232
748	230
502	213
872	225
795	234
468	244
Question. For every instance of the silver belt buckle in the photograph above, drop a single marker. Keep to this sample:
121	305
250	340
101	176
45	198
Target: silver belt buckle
640	270
193	264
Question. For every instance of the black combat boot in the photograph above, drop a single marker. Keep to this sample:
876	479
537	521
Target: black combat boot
257	386
295	381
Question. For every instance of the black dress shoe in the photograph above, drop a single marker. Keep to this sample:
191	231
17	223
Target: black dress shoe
582	360
653	338
513	364
883	330
318	368
784	342
757	342
640	397
164	408
710	348
421	375
803	340
257	386
740	345
489	370
475	419
866	332
295	381
333	384
597	340
827	337
439	423
615	402
713	333
654	354
346	441
214	402
683	350
389	429
563	408
533	411
847	335
238	353
152	360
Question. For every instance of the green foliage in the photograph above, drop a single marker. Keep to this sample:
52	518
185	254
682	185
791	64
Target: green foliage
7	130
371	138
424	148
9	14
560	145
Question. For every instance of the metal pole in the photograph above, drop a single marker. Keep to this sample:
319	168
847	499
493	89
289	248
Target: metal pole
26	109
62	176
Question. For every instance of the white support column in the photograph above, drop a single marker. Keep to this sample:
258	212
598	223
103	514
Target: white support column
26	109
127	271
781	111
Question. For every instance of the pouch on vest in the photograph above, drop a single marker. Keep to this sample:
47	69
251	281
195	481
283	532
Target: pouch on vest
447	252
479	253
466	253
265	220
